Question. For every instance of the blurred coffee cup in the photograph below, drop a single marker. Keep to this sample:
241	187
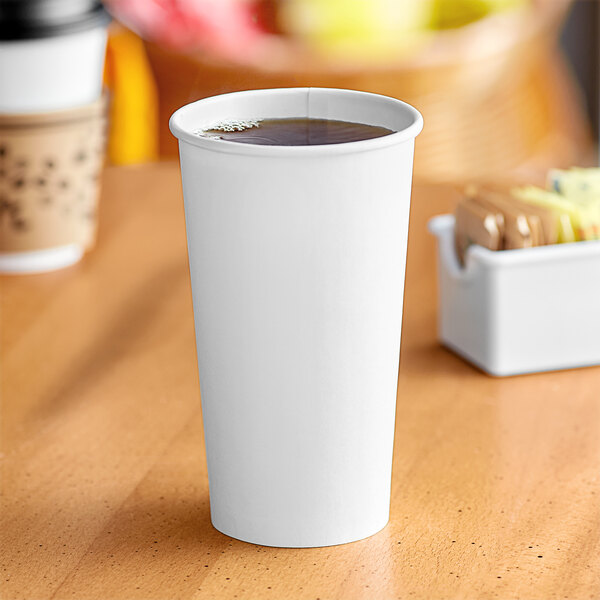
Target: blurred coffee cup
51	54
52	120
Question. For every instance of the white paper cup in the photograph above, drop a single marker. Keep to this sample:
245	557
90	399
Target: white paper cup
297	259
52	73
51	54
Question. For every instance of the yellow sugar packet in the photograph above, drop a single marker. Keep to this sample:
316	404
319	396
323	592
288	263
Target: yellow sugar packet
578	182
575	221
581	186
547	220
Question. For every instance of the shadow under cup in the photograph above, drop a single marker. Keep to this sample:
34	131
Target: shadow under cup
297	258
50	165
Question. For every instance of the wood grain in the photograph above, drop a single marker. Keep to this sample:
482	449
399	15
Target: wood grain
496	481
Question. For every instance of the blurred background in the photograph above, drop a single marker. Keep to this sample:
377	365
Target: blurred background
506	87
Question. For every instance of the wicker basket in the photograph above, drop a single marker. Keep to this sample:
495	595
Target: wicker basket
496	96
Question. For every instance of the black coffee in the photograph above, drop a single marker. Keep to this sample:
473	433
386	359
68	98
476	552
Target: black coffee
295	132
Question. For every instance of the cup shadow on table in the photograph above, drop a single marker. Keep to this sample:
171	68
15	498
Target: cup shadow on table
431	358
125	334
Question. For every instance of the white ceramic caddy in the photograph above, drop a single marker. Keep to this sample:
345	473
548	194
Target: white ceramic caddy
297	258
519	311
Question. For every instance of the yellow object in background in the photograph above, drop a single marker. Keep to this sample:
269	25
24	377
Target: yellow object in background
449	14
364	28
380	28
133	113
583	218
576	182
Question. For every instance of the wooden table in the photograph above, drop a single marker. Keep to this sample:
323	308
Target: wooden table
495	485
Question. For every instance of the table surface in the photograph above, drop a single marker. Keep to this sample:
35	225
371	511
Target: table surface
495	488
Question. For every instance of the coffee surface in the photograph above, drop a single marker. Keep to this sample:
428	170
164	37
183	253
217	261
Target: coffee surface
295	132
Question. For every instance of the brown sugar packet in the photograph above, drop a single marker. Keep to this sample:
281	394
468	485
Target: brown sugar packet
475	225
564	213
537	216
473	192
556	225
521	229
547	220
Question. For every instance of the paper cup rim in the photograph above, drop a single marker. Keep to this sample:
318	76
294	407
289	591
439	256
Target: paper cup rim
185	134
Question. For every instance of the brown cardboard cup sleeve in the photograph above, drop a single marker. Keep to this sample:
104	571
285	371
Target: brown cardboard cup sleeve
50	166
